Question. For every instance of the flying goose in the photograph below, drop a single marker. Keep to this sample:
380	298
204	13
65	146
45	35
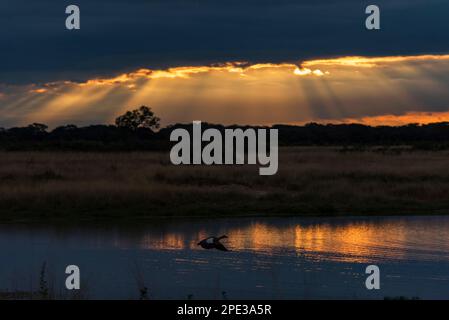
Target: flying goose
213	243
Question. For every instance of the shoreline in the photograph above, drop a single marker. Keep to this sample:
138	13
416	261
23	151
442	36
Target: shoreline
142	219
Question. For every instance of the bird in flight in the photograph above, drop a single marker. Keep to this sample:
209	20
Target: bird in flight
213	243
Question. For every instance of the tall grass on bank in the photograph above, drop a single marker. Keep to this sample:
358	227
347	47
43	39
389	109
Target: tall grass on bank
46	288
35	185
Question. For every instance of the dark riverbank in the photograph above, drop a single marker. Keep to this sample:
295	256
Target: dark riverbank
310	181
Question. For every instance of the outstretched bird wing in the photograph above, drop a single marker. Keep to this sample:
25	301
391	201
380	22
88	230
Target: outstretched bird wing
207	241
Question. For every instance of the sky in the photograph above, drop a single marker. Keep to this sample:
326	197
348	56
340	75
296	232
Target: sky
245	62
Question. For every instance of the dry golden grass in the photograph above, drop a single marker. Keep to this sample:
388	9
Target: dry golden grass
309	181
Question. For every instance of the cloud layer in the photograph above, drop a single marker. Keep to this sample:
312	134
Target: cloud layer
121	36
393	89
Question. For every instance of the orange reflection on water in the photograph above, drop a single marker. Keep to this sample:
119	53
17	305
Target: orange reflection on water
168	241
357	242
361	241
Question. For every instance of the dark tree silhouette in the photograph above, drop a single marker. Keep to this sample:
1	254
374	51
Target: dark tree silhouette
38	128
139	118
133	132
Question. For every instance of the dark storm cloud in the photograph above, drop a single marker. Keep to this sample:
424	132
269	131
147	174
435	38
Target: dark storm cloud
118	36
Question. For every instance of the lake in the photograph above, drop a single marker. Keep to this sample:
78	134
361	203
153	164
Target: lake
269	258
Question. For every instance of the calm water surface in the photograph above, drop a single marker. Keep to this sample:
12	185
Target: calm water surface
272	258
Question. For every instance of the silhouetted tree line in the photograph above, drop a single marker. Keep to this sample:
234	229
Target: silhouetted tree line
135	131
435	135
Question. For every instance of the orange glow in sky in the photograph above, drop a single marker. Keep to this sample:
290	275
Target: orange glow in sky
371	90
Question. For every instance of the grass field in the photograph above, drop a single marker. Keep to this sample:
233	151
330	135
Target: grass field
310	181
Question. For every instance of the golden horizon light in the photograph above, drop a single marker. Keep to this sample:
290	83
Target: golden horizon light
392	90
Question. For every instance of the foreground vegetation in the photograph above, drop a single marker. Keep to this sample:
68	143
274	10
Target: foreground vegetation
310	181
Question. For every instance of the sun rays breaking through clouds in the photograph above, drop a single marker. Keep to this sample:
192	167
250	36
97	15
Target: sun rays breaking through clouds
370	90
